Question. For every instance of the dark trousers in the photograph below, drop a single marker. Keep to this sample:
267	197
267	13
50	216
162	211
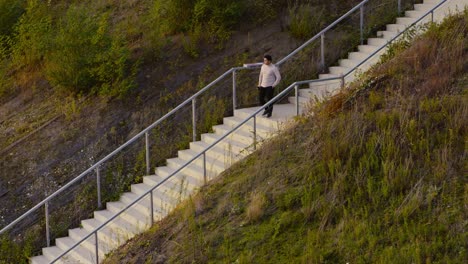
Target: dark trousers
266	92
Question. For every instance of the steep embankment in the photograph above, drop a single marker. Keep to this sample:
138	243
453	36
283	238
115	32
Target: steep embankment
62	64
377	175
82	129
82	132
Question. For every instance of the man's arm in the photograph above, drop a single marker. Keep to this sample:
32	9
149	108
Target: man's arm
277	76
260	77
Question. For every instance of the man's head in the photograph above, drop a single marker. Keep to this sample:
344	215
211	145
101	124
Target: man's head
267	59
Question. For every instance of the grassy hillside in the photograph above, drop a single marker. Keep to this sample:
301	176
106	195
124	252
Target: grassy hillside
377	175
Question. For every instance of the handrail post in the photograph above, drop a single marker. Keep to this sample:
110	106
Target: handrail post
47	223
296	88
399	6
322	51
361	24
342	81
432	16
234	91
98	186
255	132
152	207
204	167
194	120
97	247
147	153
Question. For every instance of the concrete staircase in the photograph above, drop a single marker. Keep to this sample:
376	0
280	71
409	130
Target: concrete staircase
322	90
137	218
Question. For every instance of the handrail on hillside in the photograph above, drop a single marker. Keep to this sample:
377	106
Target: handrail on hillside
192	99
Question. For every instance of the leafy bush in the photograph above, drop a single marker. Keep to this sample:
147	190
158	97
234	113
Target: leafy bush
215	17
218	17
11	11
84	55
31	35
306	20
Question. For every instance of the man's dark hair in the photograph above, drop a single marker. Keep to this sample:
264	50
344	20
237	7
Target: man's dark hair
268	57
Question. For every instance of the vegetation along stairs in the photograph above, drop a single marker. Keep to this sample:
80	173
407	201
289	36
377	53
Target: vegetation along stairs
138	209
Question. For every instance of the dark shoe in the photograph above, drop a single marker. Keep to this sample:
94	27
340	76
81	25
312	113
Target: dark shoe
268	115
265	113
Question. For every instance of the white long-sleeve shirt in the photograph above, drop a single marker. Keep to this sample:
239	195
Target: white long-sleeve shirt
269	76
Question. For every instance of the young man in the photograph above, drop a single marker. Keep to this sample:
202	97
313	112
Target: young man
268	79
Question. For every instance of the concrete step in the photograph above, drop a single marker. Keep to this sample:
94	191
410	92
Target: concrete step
281	112
130	197
358	56
338	70
52	252
367	48
229	151
414	13
214	166
423	7
262	123
329	76
395	28
160	199
388	35
405	20
108	238
349	63
302	100
227	143
325	84
432	2
179	188
78	254
132	214
213	153
323	93
82	253
239	134
376	42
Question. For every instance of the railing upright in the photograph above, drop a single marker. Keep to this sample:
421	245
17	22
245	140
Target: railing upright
46	206
322	51
361	24
234	91
98	186
194	119
296	88
147	154
97	246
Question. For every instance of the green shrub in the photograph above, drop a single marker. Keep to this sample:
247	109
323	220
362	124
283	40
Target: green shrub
11	11
218	17
5	82
31	35
306	20
215	17
86	57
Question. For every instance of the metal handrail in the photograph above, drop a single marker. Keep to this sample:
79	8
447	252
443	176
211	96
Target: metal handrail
322	32
397	36
203	153
97	165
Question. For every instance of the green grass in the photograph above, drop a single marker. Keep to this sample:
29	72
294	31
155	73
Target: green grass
377	175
